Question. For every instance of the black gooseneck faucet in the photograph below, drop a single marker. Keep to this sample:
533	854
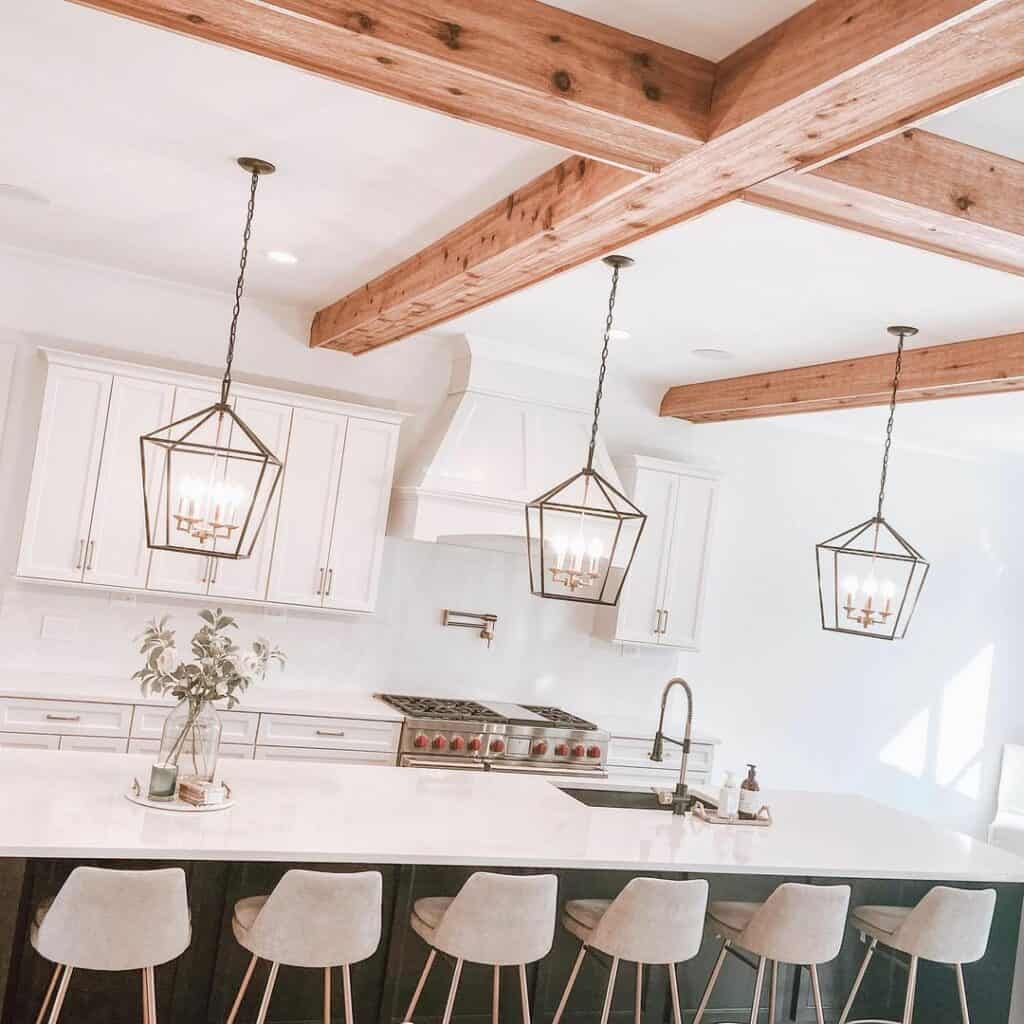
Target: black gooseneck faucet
679	797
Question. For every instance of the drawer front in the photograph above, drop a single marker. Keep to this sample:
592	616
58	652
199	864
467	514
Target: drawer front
236	726
28	741
95	744
634	751
230	751
322	754
65	717
329	733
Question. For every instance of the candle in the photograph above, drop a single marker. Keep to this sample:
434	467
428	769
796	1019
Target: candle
850	586
163	781
561	545
579	546
595	551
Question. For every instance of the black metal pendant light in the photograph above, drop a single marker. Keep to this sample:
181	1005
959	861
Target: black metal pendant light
870	576
581	536
207	479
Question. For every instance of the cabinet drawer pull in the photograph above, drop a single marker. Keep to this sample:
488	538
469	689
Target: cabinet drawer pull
92	551
330	732
320	585
53	717
664	624
81	552
330	581
657	621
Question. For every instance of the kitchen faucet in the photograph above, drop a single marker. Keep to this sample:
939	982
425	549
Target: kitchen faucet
658	750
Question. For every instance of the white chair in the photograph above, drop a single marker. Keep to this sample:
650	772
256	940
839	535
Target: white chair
949	926
652	921
104	920
1007	829
798	924
499	920
311	919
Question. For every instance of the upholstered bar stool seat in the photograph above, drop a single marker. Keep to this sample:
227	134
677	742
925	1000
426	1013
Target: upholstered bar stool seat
104	920
499	920
798	924
312	919
652	921
949	926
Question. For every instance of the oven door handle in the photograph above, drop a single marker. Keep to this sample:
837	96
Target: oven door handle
432	762
543	769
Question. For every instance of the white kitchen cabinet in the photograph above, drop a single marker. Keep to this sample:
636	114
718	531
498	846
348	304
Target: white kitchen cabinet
28	741
323	754
94	744
228	751
663	597
67	464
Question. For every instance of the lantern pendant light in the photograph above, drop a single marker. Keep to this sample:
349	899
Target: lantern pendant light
870	576
207	478
581	535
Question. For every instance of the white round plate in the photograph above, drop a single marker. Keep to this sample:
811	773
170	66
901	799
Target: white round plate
175	804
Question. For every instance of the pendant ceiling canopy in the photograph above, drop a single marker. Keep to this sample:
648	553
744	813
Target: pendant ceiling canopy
207	478
870	576
582	534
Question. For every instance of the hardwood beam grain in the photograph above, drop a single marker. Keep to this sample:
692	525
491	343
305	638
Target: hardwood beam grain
518	65
982	366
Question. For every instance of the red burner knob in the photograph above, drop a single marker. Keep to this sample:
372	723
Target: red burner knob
439	743
593	751
475	744
562	750
457	743
540	747
578	750
421	741
497	746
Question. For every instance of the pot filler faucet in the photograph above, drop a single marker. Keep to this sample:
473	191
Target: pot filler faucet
679	797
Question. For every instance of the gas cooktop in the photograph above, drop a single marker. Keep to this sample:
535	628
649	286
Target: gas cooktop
457	710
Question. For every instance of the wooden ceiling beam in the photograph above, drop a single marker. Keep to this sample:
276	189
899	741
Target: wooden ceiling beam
983	366
883	64
917	188
519	65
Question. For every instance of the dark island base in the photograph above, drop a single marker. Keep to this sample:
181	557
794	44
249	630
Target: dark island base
199	987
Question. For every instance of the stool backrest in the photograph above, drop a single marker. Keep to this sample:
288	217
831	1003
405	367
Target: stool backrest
1011	779
799	924
654	921
320	918
949	926
500	919
107	920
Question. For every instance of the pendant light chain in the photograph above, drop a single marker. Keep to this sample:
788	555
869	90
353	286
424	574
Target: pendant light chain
889	425
239	286
609	319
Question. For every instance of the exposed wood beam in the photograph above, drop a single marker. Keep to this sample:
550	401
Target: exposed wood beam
883	65
921	189
518	65
983	366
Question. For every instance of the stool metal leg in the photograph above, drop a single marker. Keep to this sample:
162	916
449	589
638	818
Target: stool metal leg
755	1008
419	985
962	992
569	984
523	994
346	984
816	991
246	978
261	1017
857	983
638	995
706	998
149	988
327	995
773	992
607	1009
58	999
450	1005
673	984
908	1006
496	995
49	992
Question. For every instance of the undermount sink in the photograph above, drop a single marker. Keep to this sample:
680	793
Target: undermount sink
638	800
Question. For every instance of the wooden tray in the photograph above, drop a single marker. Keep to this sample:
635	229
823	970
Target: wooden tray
763	819
136	796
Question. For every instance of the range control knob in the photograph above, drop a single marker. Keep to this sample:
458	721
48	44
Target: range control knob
593	751
497	746
439	743
562	749
578	750
475	744
421	741
540	747
457	743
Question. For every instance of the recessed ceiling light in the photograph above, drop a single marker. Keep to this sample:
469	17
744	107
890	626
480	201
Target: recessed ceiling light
618	334
716	355
280	256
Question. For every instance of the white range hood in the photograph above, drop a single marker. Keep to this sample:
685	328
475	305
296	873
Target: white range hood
507	432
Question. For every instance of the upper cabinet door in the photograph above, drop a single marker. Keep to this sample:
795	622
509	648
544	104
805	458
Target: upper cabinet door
641	604
298	573
173	570
247	578
116	554
357	541
687	567
67	464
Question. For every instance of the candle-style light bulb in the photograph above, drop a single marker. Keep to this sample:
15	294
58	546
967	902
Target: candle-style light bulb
561	545
579	546
595	551
850	585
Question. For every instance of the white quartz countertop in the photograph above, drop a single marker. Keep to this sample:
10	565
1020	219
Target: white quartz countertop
73	805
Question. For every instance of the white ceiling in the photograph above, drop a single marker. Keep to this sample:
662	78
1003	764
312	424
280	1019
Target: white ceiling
991	122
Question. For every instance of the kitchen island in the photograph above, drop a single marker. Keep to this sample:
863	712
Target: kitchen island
427	830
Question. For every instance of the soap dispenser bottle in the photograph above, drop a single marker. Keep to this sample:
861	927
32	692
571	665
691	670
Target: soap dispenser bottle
729	797
750	789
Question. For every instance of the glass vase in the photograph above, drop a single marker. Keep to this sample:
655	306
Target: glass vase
191	740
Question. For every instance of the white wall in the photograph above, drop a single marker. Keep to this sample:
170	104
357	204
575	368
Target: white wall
918	724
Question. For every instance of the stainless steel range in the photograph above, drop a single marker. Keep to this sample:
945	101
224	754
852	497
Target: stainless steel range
492	735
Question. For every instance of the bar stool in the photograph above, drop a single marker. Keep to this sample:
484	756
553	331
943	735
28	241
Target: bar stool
104	920
311	919
948	926
499	920
652	921
798	924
